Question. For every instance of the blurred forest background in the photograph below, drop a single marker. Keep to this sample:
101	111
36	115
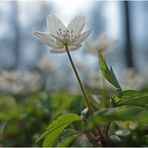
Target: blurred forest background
24	58
36	86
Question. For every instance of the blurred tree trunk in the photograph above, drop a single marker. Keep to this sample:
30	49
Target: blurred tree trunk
41	22
128	43
97	17
16	29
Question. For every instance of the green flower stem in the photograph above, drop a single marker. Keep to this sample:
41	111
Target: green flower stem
78	78
84	92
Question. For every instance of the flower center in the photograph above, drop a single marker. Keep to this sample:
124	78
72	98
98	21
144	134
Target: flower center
65	37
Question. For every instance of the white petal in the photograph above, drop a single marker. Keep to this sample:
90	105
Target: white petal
112	45
102	36
54	24
101	40
74	47
62	50
45	38
57	50
77	24
83	36
90	46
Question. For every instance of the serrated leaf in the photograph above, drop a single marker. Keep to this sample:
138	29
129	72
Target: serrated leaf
56	128
124	113
108	72
67	137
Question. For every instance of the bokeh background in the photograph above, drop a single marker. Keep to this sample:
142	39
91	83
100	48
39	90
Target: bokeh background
28	70
22	55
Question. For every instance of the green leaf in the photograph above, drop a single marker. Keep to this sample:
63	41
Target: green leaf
67	137
56	128
66	103
130	97
108	72
3	125
52	136
136	101
124	113
6	102
3	116
131	93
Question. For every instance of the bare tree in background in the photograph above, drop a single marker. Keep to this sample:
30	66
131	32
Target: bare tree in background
128	43
16	27
45	9
97	20
27	50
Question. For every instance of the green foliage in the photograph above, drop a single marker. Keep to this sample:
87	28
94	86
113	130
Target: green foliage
123	113
64	101
108	72
56	128
131	98
67	137
126	107
3	116
134	99
6	102
23	121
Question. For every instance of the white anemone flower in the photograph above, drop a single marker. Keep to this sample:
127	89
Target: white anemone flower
100	44
59	37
